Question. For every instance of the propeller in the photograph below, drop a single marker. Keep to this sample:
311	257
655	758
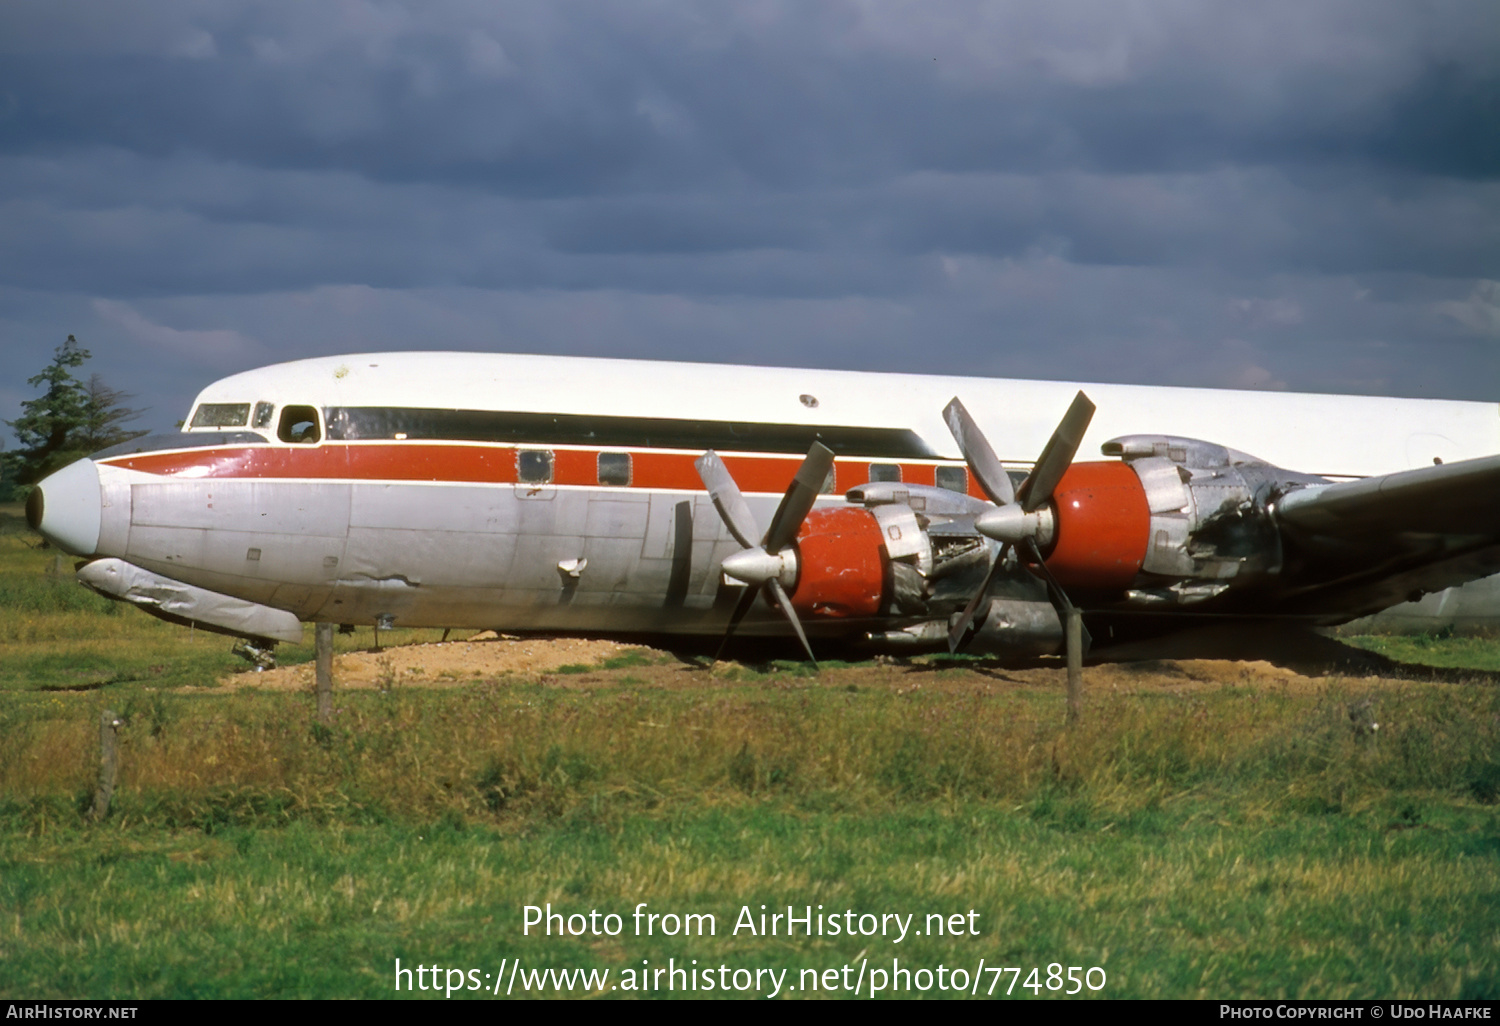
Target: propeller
770	564
1022	518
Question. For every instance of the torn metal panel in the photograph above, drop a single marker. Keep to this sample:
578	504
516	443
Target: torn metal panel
1163	483
184	603
1167	552
902	535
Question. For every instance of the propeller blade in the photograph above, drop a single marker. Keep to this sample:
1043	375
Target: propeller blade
1006	521
792	511
983	463
1059	452
746	601
959	631
1060	600
727	499
786	608
799	498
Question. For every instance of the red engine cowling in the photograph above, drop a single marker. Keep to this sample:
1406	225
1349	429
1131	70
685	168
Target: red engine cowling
1103	527
840	564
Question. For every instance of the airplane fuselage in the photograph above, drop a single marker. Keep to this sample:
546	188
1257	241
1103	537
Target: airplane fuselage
537	493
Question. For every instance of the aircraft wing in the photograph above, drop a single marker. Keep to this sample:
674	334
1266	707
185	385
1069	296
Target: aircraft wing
1451	498
1368	544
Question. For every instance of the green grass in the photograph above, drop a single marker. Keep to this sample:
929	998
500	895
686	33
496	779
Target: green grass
1182	905
625	660
1441	649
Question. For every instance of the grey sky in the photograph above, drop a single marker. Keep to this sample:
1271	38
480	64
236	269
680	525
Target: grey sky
1271	195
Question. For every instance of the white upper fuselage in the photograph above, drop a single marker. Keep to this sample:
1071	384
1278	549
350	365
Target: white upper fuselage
1329	435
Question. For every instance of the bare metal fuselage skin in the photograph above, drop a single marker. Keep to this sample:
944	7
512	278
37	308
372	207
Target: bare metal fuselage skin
423	553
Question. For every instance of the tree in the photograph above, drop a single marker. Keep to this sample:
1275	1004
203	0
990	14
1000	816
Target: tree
67	422
104	412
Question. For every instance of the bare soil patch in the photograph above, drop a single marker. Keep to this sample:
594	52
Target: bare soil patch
487	656
484	656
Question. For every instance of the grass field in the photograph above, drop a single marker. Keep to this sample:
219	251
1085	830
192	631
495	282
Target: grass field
1471	653
1239	835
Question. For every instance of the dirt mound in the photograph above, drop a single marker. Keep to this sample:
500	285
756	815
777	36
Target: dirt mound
480	657
1308	663
1300	651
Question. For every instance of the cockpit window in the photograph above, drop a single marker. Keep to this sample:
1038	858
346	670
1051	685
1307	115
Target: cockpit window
221	415
263	413
299	424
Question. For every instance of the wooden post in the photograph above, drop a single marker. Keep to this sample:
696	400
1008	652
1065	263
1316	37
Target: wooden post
109	762
324	635
1075	665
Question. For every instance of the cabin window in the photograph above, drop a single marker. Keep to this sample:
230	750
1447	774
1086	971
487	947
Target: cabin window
299	424
955	479
263	413
614	468
885	472
534	466
221	415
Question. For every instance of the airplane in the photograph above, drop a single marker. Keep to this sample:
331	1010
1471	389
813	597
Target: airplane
889	511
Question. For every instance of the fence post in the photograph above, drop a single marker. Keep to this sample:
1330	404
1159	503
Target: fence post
324	635
109	762
1075	665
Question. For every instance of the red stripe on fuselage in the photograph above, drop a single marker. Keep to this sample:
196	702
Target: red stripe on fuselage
485	464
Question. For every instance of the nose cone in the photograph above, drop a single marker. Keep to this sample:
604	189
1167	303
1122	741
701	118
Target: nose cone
757	566
65	508
1007	523
1012	525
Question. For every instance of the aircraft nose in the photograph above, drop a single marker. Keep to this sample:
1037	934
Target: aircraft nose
65	508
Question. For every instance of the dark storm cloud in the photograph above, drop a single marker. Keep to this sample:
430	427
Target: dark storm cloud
138	227
1269	195
565	98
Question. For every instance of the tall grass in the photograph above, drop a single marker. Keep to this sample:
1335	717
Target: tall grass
513	749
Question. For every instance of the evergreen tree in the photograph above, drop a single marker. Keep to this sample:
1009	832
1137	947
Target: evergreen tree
68	421
104	412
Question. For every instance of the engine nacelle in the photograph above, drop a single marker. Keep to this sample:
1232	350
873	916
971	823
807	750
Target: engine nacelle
1103	525
841	569
1209	529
